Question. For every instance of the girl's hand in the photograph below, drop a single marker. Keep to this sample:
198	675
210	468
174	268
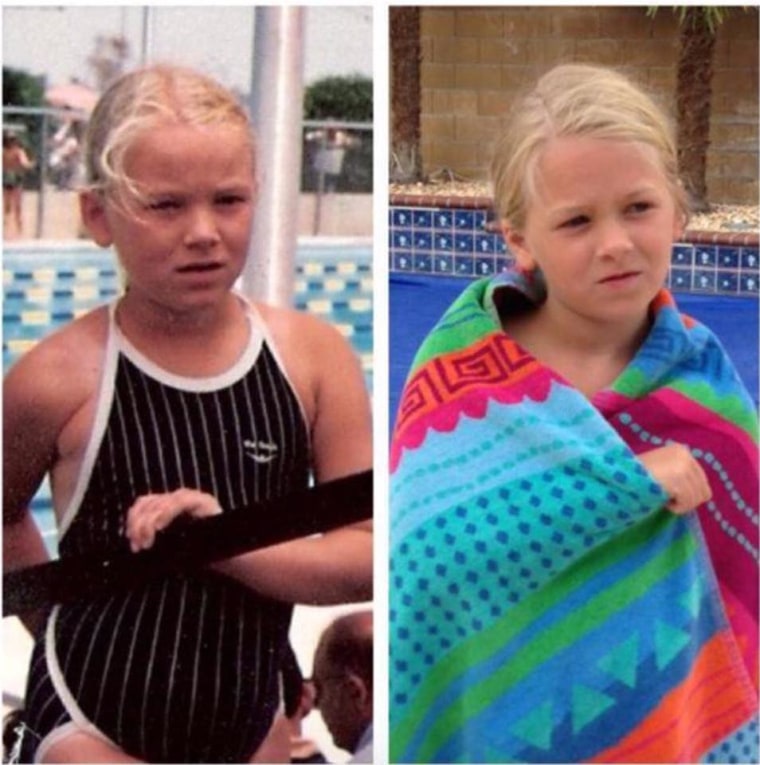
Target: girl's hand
678	472
153	512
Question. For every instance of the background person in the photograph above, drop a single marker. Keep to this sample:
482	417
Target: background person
342	677
16	163
330	152
66	155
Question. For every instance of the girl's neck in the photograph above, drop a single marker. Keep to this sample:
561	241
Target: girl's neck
589	355
589	338
146	317
193	343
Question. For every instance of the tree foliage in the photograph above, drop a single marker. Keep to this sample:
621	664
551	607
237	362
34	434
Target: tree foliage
346	98
711	16
21	88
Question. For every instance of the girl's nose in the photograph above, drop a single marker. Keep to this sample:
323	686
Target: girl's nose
202	229
613	238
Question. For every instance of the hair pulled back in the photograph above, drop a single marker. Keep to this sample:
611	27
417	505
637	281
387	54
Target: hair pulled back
576	100
143	99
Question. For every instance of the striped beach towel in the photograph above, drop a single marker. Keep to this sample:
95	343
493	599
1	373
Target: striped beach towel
545	606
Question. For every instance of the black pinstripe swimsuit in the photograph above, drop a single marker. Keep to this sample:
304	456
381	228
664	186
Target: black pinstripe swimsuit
183	669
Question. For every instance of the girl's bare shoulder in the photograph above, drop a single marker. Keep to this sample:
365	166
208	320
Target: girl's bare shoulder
315	354
298	329
64	365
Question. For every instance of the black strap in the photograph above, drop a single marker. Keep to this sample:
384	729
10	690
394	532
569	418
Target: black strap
187	546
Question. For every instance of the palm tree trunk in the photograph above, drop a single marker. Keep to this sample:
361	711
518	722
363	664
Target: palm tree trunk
693	103
406	163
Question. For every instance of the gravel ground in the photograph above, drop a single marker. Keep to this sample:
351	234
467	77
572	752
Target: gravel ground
742	218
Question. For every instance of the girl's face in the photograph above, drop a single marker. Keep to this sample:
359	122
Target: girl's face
600	226
184	242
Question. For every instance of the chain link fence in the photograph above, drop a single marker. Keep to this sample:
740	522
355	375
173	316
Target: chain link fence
336	161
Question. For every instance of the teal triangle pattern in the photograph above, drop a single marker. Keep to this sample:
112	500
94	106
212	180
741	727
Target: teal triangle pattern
668	641
622	661
536	727
588	704
691	599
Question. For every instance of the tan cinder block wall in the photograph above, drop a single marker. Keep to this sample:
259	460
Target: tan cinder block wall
474	60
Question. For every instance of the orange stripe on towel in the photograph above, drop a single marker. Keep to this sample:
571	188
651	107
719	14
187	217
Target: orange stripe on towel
447	379
713	701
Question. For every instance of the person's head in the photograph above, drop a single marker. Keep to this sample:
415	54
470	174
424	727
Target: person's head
10	140
342	677
170	166
586	187
577	100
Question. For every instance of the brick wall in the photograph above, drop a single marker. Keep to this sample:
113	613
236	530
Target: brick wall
475	59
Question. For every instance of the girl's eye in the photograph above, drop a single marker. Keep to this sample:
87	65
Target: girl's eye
231	199
164	205
640	207
575	222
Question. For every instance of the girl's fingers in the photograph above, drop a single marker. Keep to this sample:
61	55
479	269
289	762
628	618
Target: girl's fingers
152	513
148	515
693	490
135	525
199	504
680	475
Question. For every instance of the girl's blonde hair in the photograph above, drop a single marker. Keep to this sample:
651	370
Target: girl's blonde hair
576	100
143	99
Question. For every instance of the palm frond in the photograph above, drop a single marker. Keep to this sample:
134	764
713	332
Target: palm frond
712	16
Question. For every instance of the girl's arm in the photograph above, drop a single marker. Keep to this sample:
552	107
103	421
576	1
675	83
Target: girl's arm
41	392
23	547
335	567
329	569
26	160
28	446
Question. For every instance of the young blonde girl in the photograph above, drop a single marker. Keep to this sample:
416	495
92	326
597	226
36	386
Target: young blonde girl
546	606
181	397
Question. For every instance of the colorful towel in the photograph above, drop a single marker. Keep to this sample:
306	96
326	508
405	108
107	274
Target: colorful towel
544	605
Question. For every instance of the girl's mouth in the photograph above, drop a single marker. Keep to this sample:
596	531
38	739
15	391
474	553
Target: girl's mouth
620	278
199	268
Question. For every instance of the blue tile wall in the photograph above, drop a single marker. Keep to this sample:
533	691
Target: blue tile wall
448	241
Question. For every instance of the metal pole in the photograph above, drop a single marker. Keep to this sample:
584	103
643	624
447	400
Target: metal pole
146	43
277	112
42	158
320	187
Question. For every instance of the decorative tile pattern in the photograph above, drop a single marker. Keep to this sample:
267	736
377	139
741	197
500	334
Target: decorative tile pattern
438	237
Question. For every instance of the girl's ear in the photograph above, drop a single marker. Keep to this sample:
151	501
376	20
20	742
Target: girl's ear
518	247
679	226
92	208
